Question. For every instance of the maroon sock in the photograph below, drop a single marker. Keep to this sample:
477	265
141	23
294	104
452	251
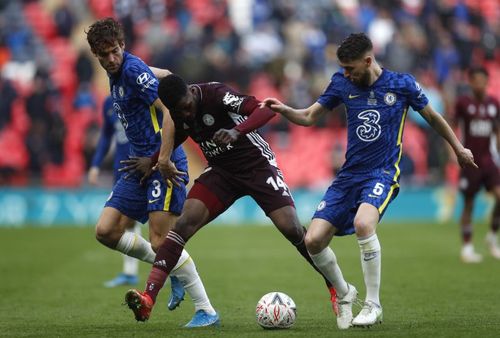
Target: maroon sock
495	219
466	232
166	258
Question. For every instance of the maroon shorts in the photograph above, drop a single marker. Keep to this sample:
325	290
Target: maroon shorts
487	175
218	189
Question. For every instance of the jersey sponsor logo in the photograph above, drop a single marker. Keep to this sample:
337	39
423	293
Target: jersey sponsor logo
390	98
212	149
232	100
321	205
143	78
110	195
121	91
208	120
353	96
154	200
121	116
370	130
420	92
492	110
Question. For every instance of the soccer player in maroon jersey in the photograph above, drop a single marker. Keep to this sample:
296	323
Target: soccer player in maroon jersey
240	162
479	116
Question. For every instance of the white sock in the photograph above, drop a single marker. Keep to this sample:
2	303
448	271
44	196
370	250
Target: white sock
136	246
326	262
131	264
185	271
371	265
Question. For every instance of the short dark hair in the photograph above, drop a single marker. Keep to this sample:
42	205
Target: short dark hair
477	70
104	33
171	90
354	47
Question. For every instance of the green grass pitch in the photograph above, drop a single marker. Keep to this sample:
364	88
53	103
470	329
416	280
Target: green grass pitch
51	285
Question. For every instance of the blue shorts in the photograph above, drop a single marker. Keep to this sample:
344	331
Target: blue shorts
136	201
343	198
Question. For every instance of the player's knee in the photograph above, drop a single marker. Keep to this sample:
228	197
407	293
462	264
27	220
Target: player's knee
313	243
362	227
185	227
106	235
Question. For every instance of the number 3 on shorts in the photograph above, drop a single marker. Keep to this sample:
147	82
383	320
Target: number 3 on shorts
378	189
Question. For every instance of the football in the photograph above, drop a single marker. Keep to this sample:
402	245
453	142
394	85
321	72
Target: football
276	310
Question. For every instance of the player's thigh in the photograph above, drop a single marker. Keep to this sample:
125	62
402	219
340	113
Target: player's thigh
319	234
268	188
287	222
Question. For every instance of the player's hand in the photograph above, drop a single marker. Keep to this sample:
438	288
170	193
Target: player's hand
137	165
226	136
169	172
274	104
93	175
465	158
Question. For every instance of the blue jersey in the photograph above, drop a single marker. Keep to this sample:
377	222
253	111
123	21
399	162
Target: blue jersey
375	119
111	128
134	89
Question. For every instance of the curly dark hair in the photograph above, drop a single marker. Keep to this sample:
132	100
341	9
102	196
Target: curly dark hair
354	47
477	70
104	33
171	89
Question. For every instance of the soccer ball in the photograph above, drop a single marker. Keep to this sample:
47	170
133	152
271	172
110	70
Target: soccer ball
276	310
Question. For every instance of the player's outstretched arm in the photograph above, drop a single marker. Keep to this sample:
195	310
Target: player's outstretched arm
160	72
304	117
439	124
165	165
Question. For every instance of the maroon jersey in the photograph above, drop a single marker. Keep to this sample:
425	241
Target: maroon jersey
222	107
478	120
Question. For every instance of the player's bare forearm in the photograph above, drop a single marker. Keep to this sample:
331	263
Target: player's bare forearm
159	72
439	124
304	117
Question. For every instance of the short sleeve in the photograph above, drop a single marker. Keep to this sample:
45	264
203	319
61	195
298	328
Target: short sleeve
142	81
416	97
332	96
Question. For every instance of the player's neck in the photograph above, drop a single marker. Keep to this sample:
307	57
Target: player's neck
479	96
375	72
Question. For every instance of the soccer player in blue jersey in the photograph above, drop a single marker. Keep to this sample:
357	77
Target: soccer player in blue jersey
376	102
160	198
112	129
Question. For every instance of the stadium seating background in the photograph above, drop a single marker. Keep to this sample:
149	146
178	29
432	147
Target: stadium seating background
286	49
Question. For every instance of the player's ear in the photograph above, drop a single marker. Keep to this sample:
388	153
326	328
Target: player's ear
368	60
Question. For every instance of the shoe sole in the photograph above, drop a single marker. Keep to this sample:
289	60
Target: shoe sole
367	326
133	300
174	305
214	324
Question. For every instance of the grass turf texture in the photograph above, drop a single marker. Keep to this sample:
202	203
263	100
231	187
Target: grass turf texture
51	285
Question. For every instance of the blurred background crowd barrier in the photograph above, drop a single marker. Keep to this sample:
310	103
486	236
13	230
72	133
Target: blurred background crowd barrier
52	88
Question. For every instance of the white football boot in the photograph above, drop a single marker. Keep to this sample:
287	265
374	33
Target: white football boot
468	255
492	242
370	314
344	317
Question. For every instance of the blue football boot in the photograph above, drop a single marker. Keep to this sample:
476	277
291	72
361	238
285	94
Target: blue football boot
177	295
122	279
201	319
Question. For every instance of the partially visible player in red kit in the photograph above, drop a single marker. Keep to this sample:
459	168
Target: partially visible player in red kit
223	123
478	115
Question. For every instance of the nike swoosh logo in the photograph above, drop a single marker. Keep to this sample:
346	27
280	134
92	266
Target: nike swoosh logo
370	256
152	201
353	96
